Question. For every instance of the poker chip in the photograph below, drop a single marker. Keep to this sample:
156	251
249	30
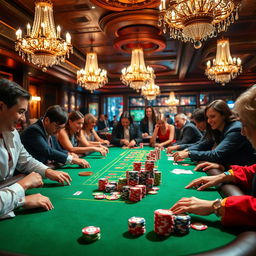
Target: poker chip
85	173
152	192
91	233
199	226
112	197
99	197
185	164
155	188
97	194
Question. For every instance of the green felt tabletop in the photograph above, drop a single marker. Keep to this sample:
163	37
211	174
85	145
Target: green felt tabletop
58	232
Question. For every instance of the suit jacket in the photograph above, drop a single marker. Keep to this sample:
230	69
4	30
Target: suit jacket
118	134
102	124
144	126
189	134
233	148
36	143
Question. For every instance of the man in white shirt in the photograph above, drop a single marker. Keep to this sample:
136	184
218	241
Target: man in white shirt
13	105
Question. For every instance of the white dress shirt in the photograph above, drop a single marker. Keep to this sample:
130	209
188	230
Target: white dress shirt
13	196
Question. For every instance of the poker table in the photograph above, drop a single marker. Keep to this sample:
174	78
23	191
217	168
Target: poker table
58	232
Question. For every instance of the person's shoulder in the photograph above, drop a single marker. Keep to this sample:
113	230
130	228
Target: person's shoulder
234	126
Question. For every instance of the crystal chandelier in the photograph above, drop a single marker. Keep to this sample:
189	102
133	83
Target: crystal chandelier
196	20
224	67
172	101
150	91
137	74
43	45
92	77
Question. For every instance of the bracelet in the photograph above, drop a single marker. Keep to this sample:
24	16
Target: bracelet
227	173
216	207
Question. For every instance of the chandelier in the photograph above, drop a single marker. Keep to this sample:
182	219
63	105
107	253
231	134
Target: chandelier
224	67
196	20
92	77
43	45
137	74
150	91
172	101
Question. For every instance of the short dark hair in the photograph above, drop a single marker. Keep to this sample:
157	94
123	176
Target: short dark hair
127	115
56	114
10	92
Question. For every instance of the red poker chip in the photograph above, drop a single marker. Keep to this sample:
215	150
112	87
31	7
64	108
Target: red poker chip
90	230
112	197
199	226
152	192
155	188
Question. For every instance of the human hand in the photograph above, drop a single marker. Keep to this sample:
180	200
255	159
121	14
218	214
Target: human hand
73	154
172	148
59	176
105	148
144	135
124	141
193	205
132	143
106	142
208	181
37	201
32	180
81	162
205	166
180	155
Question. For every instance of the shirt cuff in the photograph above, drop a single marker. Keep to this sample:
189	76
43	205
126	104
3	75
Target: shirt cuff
69	159
20	192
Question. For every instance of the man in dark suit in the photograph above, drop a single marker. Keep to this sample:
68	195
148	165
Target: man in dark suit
40	141
188	131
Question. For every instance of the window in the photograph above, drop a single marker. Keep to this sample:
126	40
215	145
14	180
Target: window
113	106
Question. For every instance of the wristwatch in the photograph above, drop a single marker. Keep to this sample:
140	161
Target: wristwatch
217	206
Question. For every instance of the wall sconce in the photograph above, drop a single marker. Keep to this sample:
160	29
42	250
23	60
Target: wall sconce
36	98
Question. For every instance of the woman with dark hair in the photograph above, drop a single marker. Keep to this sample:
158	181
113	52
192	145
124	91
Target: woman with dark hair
72	138
148	123
126	133
223	142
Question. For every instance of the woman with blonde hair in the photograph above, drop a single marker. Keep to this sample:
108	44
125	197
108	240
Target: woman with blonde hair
72	138
163	131
89	132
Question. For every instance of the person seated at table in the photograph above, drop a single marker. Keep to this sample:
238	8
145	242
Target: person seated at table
126	133
89	132
188	133
72	139
223	142
198	117
114	122
163	132
233	210
148	123
40	140
13	156
102	123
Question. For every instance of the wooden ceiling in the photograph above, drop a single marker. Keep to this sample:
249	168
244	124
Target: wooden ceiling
113	32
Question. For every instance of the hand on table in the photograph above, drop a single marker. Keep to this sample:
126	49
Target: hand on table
193	205
105	142
144	135
37	201
59	176
32	180
172	148
180	155
124	142
208	181
81	162
205	166
132	143
73	154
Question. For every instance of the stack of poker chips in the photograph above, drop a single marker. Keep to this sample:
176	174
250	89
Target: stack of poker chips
121	182
110	188
125	192
133	178
135	194
143	189
163	222
137	166
136	226
91	233
182	224
167	223
158	178
102	184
